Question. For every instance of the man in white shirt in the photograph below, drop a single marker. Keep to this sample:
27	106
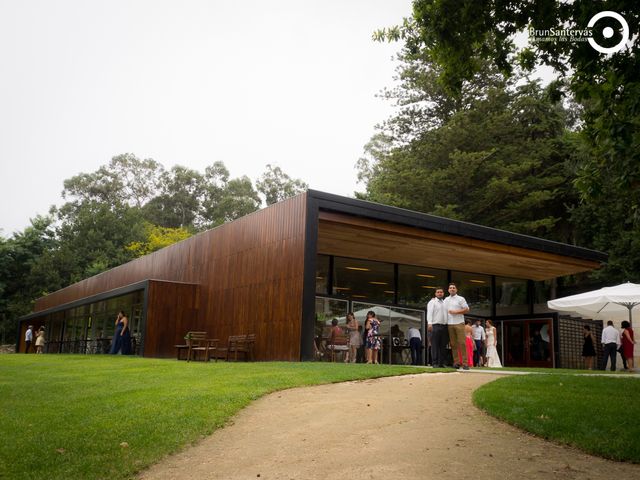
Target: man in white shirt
437	325
610	344
415	343
480	339
456	306
28	338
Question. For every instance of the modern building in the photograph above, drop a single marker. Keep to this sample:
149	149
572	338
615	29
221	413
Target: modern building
286	271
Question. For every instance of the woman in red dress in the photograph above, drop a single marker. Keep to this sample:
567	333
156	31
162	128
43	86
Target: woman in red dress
627	343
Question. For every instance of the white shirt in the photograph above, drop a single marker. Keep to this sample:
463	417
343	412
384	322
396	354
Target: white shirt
28	336
610	335
455	302
413	332
436	313
478	332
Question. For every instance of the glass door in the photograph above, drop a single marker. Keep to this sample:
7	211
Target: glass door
528	343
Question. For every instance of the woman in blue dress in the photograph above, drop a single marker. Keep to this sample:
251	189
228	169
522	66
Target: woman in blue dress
122	336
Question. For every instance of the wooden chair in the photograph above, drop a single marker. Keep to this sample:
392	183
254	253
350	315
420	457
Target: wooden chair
193	340
237	344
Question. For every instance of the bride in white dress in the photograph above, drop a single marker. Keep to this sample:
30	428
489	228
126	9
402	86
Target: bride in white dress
493	360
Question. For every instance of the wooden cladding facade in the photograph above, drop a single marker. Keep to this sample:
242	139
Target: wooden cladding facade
249	274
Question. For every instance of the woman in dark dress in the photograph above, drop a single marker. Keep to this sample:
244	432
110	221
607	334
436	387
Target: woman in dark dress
588	348
122	336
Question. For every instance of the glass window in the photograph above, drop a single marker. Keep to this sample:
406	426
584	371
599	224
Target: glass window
326	310
511	296
363	280
476	289
541	293
416	285
322	274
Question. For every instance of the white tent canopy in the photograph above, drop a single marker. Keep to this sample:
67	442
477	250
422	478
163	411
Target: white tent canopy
608	303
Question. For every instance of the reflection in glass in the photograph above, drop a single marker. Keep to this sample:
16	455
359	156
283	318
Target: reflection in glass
416	285
363	280
476	289
511	296
322	274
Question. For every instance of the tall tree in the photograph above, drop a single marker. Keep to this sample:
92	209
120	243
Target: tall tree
276	185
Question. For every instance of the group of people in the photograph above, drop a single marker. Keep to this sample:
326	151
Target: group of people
121	342
613	342
40	340
470	345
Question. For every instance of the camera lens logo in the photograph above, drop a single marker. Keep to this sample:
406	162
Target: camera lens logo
608	32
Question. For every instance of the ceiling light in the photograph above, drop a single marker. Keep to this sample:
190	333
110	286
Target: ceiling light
378	283
358	296
341	288
389	291
426	286
360	269
424	275
477	281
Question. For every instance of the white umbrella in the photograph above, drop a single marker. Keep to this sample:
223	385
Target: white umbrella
610	303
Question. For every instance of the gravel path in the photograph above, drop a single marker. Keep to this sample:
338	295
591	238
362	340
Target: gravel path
411	427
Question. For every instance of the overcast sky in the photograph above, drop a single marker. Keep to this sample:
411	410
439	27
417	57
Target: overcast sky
286	82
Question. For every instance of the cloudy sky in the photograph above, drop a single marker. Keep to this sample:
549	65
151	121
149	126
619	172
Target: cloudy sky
190	82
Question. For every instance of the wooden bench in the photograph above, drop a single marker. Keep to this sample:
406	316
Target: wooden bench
236	344
196	342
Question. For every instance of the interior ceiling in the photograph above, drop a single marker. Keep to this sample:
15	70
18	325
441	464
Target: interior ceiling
348	236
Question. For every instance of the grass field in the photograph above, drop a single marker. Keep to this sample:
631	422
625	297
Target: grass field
107	417
596	414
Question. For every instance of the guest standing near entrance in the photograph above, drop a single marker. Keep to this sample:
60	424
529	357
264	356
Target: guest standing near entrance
456	306
437	325
40	340
610	341
627	343
355	340
373	337
588	347
493	359
415	344
468	342
480	340
28	338
122	337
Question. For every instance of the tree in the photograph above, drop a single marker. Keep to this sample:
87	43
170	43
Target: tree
276	185
156	238
500	162
25	273
461	37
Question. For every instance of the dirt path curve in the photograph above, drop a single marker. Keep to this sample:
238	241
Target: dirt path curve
411	427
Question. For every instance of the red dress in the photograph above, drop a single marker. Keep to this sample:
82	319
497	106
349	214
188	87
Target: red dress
627	345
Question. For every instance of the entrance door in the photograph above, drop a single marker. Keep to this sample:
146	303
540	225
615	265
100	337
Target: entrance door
528	343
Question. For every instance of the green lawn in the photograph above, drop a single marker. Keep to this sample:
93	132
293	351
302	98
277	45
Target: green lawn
596	414
68	416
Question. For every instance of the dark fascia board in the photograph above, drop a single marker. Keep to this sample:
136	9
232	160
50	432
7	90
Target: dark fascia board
116	292
401	216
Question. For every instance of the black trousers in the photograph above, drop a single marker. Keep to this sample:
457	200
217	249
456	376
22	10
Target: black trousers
610	351
416	350
28	346
439	341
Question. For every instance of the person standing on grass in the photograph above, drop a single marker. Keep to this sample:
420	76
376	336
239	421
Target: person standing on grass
456	306
437	325
415	344
28	338
40	340
122	336
493	359
627	344
480	340
610	342
588	347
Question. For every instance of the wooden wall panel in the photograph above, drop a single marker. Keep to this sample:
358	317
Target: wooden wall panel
250	274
